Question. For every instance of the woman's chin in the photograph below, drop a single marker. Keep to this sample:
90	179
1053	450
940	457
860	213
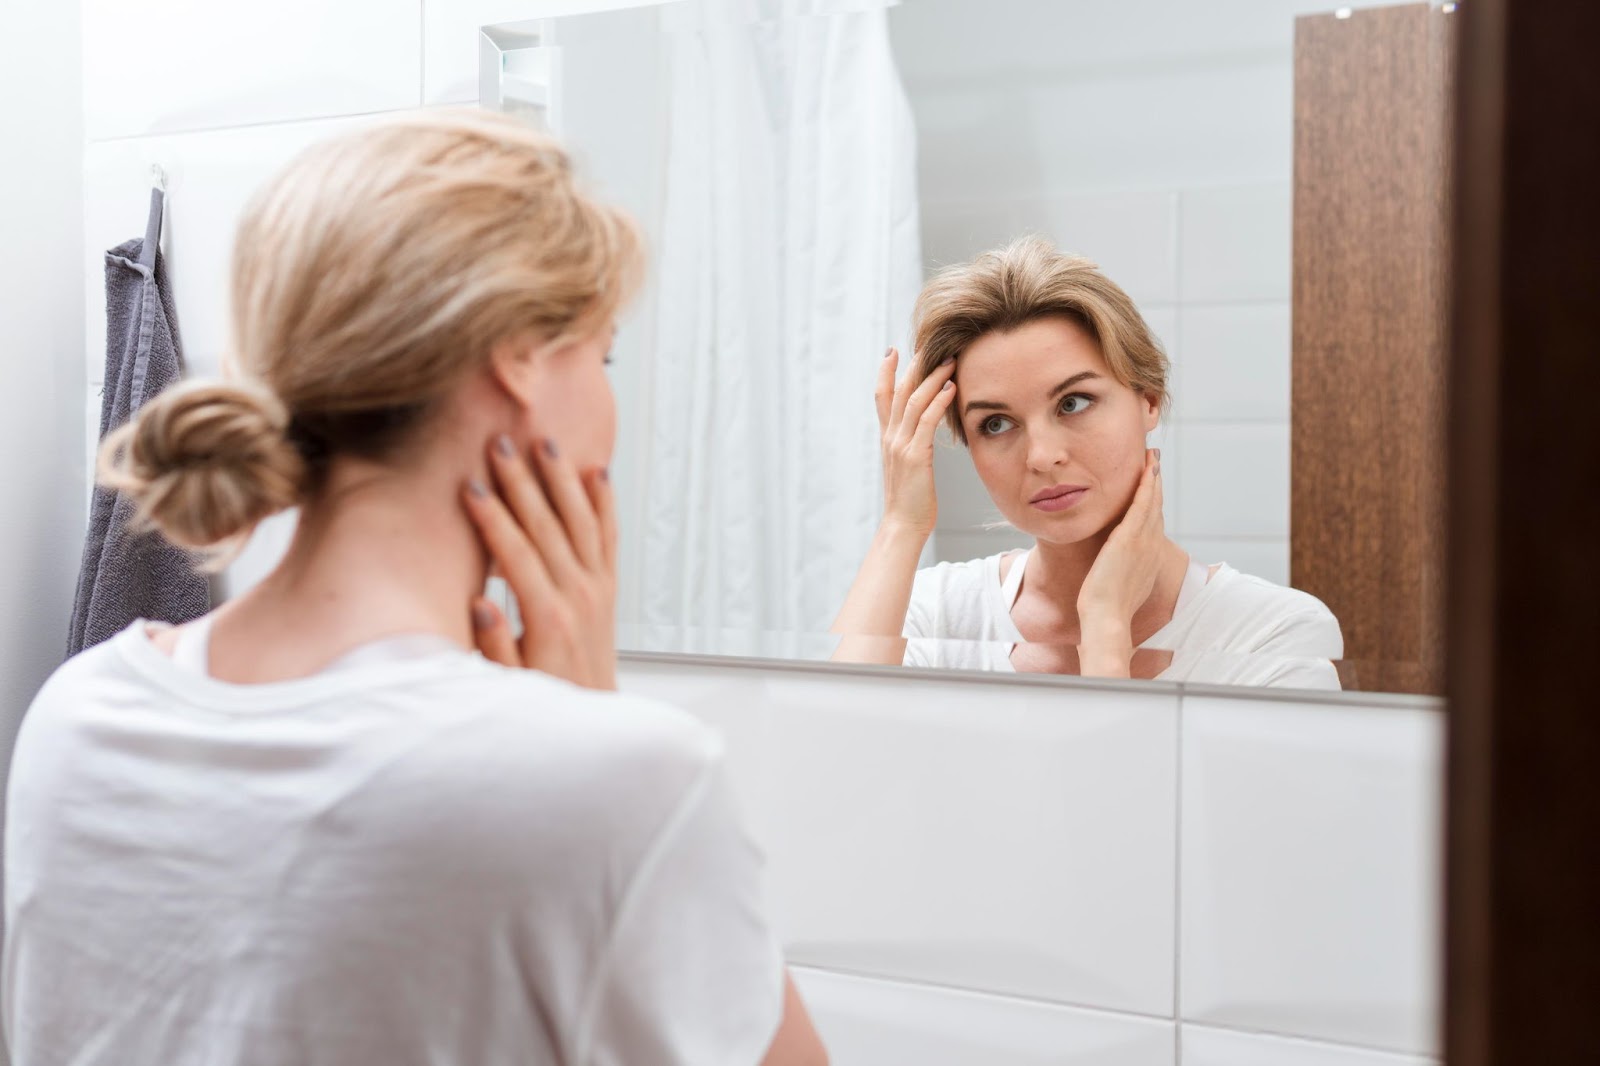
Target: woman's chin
1061	529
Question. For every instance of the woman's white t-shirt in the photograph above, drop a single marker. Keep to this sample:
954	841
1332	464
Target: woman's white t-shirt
430	859
1232	629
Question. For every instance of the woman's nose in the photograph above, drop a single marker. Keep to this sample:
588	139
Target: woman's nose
1047	450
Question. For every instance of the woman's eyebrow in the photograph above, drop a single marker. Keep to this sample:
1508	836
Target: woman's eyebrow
994	405
1076	379
984	405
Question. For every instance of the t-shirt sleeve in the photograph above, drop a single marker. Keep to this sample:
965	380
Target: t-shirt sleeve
1312	632
693	973
1302	650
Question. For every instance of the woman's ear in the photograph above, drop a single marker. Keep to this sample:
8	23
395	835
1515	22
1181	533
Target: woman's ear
1152	409
513	363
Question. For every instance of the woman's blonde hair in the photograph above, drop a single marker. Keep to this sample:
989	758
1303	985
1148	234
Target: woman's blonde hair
1027	280
369	277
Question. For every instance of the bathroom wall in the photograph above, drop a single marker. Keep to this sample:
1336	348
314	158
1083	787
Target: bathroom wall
1156	138
992	873
966	872
42	385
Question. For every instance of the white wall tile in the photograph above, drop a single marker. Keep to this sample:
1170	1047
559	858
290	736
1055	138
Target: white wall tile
933	38
867	1022
975	144
1235	363
957	231
167	65
450	37
1234	243
1264	558
1233	480
1163	322
1204	1046
1310	874
1159	127
992	836
1132	236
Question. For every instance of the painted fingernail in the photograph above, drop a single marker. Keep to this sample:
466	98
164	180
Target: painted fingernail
947	386
889	354
503	445
482	617
477	488
550	448
605	474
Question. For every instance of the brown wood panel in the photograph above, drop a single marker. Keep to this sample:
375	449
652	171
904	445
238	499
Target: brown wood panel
1523	853
1371	150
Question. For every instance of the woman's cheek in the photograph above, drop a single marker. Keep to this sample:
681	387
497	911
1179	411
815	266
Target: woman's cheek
606	423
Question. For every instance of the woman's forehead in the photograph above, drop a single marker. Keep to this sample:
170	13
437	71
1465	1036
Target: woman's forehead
1048	350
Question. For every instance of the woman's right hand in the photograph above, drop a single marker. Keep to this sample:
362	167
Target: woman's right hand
907	421
553	536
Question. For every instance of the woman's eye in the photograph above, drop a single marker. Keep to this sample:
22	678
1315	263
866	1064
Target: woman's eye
992	425
1076	404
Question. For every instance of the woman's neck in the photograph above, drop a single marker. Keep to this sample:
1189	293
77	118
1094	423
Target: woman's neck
1056	573
375	554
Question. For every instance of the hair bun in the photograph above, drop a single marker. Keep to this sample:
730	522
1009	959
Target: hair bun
205	462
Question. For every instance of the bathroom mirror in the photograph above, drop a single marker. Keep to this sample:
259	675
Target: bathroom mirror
1267	180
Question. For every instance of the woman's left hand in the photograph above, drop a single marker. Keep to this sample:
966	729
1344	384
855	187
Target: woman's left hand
1122	578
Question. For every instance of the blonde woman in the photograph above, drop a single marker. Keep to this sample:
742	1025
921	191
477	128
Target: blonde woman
1043	368
317	826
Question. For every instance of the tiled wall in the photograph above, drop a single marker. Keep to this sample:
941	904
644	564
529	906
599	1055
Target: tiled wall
1156	138
999	872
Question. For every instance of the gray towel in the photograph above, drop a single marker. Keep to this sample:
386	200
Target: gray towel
127	575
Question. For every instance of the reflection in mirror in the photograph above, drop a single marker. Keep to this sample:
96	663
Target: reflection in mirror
1174	443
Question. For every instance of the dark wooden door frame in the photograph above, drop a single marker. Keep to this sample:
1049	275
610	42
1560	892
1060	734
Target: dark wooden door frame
1522	981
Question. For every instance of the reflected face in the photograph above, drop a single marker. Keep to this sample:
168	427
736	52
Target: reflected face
1058	442
574	403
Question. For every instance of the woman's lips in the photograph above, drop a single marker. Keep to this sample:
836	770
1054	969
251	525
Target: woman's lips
1059	498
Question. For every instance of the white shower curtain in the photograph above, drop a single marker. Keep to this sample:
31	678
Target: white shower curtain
788	261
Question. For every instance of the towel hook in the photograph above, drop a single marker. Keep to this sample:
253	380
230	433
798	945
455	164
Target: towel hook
158	177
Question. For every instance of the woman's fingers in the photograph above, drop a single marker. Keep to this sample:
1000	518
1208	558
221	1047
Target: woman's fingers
531	507
898	398
928	424
1146	499
565	487
604	500
883	391
917	405
1157	519
492	632
1137	518
509	546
